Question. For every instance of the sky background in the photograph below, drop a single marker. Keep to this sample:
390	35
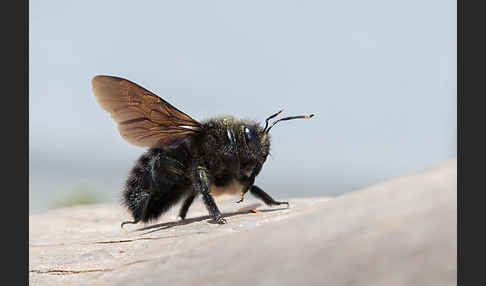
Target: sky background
380	76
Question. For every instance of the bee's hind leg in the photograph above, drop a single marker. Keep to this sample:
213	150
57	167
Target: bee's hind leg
139	215
266	198
129	222
185	206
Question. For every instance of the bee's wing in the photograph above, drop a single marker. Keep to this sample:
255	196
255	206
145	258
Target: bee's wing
143	118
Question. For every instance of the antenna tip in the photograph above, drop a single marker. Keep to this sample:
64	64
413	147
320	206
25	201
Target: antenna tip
309	116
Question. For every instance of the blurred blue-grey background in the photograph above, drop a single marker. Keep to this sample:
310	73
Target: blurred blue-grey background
379	75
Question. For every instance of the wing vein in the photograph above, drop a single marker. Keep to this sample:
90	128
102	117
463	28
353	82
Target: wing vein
143	118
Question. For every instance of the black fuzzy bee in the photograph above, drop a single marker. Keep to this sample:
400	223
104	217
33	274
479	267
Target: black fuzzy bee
186	158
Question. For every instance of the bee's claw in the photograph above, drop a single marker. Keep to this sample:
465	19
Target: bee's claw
221	220
284	203
241	198
128	222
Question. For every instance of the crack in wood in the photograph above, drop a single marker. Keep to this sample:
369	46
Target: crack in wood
131	240
46	245
66	272
106	241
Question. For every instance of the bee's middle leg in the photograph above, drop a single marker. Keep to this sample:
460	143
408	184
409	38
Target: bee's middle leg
202	184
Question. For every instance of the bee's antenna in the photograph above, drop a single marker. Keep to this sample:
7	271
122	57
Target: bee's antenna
270	117
290	118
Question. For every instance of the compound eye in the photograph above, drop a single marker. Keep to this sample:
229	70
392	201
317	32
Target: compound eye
249	134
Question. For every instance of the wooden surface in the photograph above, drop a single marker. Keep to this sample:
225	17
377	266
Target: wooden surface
399	232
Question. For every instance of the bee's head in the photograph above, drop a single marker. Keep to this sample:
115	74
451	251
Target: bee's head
257	139
254	142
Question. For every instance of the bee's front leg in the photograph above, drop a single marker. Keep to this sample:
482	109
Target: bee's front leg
202	184
243	191
249	183
266	198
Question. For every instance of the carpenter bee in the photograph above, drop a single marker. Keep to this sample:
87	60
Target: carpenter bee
185	157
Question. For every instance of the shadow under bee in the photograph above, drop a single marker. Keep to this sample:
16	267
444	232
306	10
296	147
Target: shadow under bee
167	225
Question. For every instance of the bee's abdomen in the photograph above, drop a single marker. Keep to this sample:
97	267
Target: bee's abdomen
137	188
156	182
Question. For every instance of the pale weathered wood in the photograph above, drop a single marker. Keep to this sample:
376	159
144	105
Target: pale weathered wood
399	232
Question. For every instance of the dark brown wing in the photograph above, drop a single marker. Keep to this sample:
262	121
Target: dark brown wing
143	118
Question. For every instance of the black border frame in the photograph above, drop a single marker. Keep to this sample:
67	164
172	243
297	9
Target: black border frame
459	133
470	122
14	201
15	194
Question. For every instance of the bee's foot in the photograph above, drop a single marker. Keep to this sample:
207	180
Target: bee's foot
221	220
240	201
282	203
128	222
